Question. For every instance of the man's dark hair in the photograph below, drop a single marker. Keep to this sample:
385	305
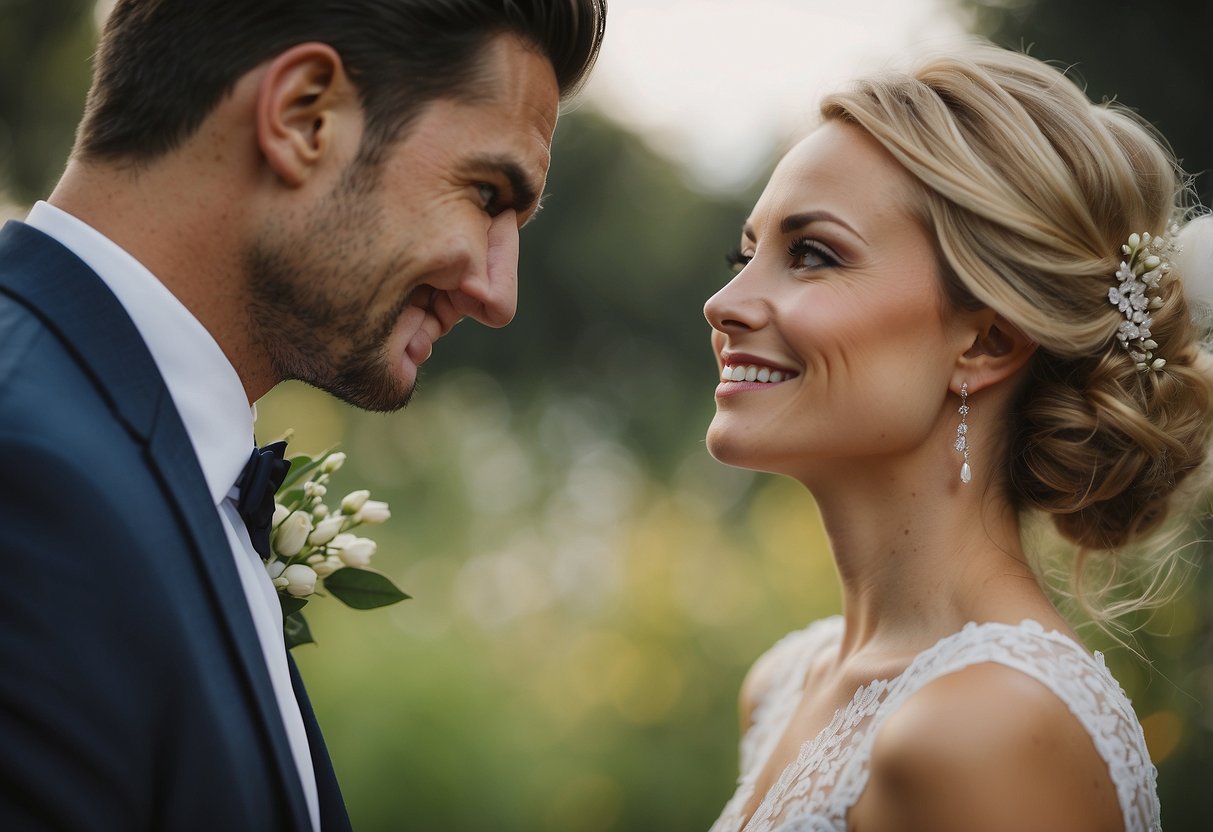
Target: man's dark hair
163	65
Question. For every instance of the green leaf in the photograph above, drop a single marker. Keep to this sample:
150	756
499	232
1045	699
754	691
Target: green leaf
291	499
295	630
301	468
290	604
363	589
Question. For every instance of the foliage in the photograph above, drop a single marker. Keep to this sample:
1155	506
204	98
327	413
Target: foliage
44	73
1165	75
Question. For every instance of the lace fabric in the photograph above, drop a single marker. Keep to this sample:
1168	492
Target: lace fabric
815	791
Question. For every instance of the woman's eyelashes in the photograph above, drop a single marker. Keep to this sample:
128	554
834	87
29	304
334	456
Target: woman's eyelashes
810	254
737	260
805	253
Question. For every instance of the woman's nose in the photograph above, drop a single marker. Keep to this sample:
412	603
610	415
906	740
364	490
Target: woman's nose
735	308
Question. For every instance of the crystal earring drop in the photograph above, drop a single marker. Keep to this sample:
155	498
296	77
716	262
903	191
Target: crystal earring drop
962	434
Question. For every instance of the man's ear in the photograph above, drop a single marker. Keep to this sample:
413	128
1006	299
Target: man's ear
998	351
299	101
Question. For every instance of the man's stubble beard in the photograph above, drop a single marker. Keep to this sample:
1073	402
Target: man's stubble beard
311	329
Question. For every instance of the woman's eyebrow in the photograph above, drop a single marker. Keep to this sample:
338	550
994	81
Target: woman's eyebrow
795	221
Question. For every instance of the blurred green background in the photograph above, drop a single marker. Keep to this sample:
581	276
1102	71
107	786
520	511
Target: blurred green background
589	586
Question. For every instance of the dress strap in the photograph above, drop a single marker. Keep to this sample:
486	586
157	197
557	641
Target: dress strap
1077	678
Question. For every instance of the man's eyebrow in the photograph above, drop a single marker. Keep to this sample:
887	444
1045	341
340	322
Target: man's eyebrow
538	208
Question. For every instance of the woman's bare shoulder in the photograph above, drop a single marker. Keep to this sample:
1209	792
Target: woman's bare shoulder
986	749
787	654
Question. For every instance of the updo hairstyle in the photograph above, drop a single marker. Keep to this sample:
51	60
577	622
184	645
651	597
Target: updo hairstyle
1030	190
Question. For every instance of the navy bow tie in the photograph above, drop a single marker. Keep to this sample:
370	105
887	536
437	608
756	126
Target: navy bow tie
258	482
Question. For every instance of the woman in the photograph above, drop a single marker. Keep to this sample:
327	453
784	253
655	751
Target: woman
948	314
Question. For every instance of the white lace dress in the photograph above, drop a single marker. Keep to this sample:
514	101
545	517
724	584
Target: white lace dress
816	790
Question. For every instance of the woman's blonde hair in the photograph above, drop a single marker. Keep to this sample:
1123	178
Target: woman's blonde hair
1030	190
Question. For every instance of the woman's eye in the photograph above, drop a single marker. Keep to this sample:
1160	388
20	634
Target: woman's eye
737	260
808	254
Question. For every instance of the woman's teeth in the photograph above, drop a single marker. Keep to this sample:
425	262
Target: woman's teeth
750	372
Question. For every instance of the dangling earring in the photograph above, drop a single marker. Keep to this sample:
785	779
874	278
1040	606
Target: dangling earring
962	431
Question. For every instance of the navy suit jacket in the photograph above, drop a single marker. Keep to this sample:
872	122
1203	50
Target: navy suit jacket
133	690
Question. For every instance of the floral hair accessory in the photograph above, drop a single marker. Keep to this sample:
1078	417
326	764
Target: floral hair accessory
1138	294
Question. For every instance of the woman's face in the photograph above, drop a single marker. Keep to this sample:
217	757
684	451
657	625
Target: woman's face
834	334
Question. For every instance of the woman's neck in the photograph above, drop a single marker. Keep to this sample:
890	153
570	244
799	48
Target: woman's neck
919	554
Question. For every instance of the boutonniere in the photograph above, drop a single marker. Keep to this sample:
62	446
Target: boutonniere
313	547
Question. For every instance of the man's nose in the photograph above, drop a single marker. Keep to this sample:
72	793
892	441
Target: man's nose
494	290
486	289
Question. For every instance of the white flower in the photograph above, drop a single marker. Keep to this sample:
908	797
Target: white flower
280	513
275	568
314	489
292	534
342	540
300	580
332	462
373	512
321	511
357	552
354	501
325	530
328	566
1140	277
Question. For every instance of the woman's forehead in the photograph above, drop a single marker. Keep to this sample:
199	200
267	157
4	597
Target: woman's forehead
840	168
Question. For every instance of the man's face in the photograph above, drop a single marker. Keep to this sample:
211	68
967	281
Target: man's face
351	296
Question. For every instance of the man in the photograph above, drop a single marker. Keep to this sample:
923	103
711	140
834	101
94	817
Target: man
260	190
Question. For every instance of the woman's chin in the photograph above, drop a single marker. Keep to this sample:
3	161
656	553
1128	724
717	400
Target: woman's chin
727	448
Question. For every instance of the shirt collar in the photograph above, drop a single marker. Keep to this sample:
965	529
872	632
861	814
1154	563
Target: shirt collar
204	385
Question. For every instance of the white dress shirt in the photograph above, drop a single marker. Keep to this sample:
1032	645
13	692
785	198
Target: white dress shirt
215	411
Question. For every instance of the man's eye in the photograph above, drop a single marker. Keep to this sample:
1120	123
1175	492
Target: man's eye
490	198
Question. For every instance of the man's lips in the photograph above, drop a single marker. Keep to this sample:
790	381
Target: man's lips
418	329
420	347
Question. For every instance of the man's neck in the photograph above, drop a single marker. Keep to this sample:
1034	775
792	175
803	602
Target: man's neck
170	218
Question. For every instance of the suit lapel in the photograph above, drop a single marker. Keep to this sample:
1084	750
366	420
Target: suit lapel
59	288
172	456
333	817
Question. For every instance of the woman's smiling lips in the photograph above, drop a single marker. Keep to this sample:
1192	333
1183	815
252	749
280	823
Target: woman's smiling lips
741	371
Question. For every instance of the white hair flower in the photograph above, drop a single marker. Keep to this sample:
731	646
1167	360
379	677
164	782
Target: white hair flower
1139	291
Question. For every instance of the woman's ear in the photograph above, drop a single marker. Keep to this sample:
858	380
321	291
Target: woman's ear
998	351
301	106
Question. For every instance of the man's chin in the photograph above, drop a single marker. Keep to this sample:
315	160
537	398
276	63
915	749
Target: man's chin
378	392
